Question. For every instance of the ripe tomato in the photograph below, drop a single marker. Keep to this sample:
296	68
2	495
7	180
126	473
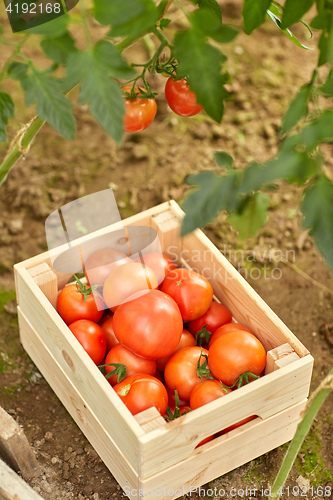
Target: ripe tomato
130	364
160	263
71	305
125	281
236	353
216	316
181	370
238	424
142	391
186	340
100	264
111	339
92	338
206	392
192	292
180	98
172	400
139	113
151	325
229	327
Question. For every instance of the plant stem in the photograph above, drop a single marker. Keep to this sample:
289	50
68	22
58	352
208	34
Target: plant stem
15	53
85	23
314	404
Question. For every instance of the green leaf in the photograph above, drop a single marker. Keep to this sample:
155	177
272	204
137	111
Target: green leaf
52	105
206	22
214	194
130	17
202	67
325	45
213	6
59	48
108	56
103	95
6	111
164	23
297	109
287	31
321	130
254	12
17	70
317	207
320	22
293	11
223	159
52	29
252	217
327	88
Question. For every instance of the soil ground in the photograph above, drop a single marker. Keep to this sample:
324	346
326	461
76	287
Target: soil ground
149	168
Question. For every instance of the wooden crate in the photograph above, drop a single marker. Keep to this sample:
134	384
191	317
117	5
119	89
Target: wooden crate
144	452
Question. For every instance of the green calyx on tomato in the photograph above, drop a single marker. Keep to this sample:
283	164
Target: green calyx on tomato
177	411
243	379
202	370
138	93
120	370
203	335
86	290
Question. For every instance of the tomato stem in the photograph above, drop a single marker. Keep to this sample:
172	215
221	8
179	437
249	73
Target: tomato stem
87	290
203	335
202	369
120	370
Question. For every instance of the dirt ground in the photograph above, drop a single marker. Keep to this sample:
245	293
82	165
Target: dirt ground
149	168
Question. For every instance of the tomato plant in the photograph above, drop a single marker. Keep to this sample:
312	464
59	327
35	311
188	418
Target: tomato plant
180	97
234	355
101	263
122	363
127	280
79	302
229	327
186	369
186	340
92	338
140	392
139	111
192	292
151	325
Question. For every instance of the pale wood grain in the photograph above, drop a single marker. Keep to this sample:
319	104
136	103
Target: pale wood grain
46	280
15	448
12	487
280	356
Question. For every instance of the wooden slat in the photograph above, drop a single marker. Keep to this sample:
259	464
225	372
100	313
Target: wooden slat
279	357
264	397
225	454
15	448
12	487
82	413
79	368
168	226
46	280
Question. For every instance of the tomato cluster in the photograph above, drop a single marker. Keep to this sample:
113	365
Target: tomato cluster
140	108
162	341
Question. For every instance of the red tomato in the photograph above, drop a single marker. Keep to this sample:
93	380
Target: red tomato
186	340
180	98
206	440
238	424
236	353
131	364
181	370
106	315
127	280
139	113
72	307
229	327
92	338
111	339
161	264
216	316
192	292
172	400
206	392
151	325
100	264
142	391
